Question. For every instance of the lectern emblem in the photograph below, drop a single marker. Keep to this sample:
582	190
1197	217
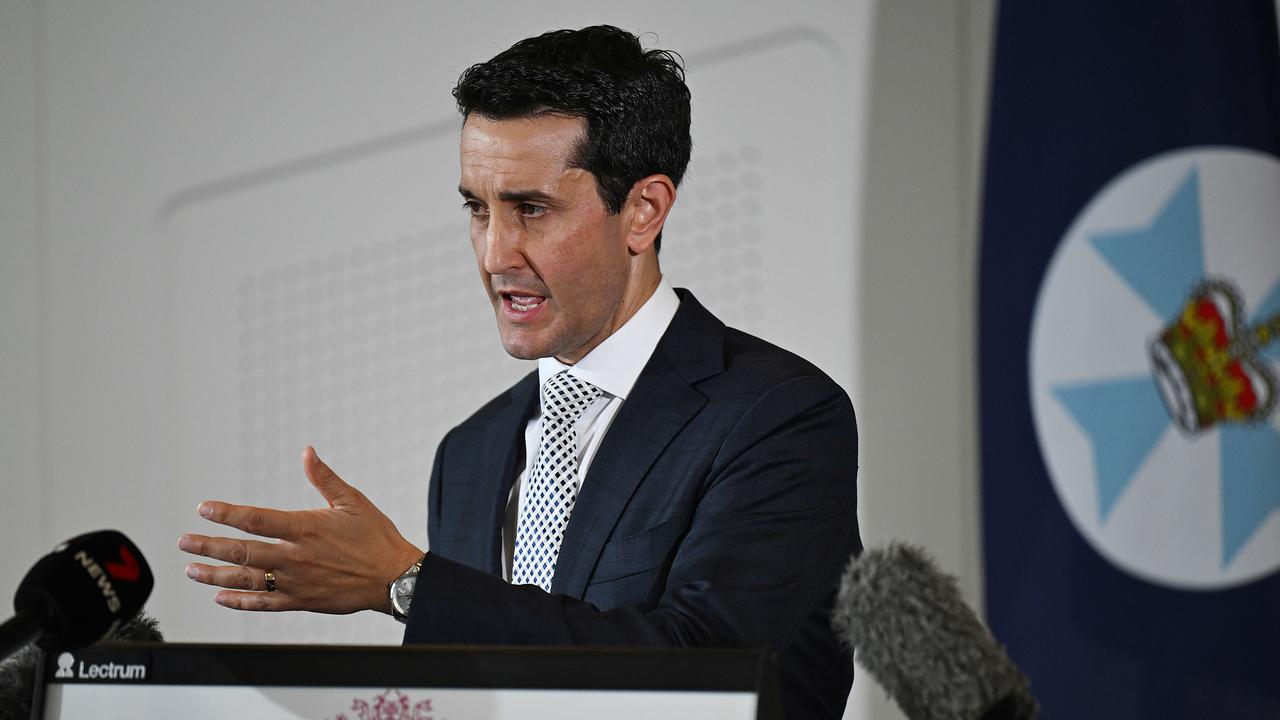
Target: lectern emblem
1154	360
390	705
65	662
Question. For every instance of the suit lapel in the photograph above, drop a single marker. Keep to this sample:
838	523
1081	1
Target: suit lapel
497	470
662	402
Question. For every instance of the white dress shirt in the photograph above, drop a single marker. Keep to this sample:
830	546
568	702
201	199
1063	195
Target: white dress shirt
613	366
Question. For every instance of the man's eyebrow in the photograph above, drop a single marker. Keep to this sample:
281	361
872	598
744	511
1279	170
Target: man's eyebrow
515	196
519	196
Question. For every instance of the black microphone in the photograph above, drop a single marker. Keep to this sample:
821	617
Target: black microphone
78	593
914	633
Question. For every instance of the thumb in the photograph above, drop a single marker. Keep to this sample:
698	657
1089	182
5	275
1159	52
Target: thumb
332	488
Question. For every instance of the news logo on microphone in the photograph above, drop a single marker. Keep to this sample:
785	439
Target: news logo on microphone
126	569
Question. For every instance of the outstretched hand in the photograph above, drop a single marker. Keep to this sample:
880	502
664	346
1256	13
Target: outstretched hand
338	559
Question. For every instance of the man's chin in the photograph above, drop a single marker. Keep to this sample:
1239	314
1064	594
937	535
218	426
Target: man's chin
522	349
521	354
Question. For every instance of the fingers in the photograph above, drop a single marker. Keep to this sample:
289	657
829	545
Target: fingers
335	560
239	552
236	577
326	481
249	587
255	601
263	522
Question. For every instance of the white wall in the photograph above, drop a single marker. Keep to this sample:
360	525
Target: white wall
201	202
918	289
22	501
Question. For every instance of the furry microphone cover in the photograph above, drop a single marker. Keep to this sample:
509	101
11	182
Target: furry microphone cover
914	633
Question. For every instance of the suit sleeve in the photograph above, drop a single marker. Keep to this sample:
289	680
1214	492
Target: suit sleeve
772	530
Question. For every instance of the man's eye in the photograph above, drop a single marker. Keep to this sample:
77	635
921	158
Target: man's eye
475	208
531	210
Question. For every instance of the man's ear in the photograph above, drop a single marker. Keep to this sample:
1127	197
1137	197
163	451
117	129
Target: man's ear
649	202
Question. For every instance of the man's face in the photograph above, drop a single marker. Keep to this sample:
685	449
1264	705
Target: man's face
553	260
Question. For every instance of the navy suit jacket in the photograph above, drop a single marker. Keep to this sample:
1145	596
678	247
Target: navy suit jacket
719	511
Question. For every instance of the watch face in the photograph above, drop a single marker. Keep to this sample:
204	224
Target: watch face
403	592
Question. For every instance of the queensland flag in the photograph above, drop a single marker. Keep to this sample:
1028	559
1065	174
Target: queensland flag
1129	353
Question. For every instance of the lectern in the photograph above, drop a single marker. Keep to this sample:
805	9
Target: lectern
168	680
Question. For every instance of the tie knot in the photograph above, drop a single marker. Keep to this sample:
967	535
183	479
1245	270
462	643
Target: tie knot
566	397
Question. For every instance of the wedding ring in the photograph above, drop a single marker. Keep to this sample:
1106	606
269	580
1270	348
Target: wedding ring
271	581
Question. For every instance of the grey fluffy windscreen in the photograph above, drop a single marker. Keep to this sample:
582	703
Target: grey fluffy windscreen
912	631
142	628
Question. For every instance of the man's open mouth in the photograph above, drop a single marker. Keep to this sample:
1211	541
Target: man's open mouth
522	303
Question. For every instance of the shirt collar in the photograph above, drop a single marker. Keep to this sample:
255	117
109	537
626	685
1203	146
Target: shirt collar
615	364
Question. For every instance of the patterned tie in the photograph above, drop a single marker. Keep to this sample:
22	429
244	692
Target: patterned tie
553	484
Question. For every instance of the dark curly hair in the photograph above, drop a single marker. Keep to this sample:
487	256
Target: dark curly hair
634	101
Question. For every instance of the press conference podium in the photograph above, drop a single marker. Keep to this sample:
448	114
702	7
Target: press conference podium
195	682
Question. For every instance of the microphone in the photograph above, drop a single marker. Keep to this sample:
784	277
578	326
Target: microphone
914	633
78	593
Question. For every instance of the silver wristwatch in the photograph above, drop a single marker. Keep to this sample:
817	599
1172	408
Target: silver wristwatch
402	592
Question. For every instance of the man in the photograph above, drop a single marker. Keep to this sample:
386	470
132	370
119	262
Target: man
659	480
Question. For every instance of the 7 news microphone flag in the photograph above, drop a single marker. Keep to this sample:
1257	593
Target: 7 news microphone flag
1129	353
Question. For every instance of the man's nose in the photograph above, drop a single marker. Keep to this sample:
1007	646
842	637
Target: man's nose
502	246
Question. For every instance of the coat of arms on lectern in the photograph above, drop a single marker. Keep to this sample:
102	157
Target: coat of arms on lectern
390	705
